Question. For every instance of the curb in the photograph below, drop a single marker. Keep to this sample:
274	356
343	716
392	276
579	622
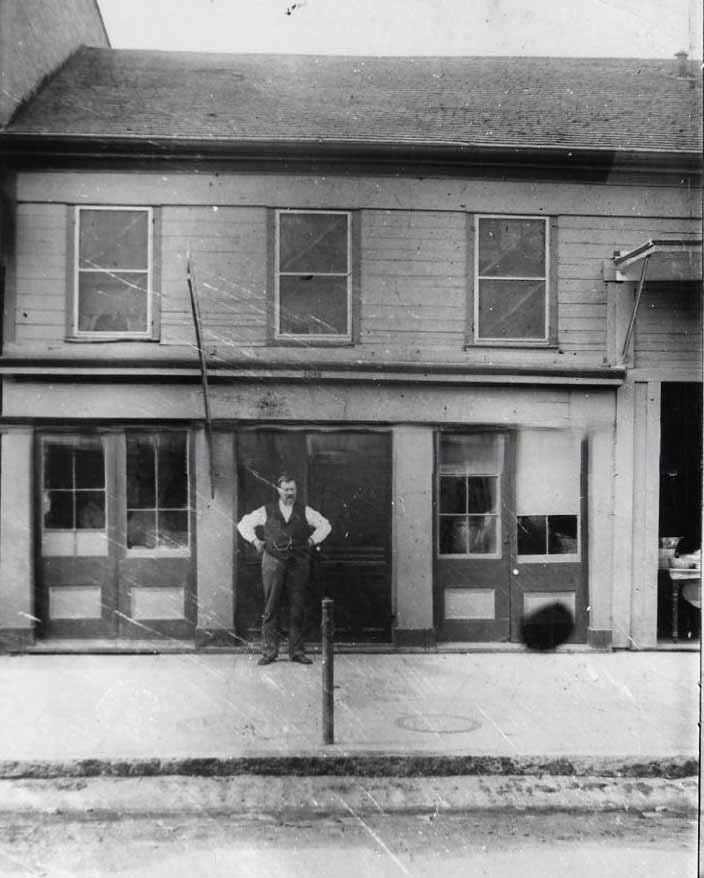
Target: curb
112	797
354	765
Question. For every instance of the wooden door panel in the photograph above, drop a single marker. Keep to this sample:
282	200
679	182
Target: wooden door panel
350	483
473	535
72	597
156	598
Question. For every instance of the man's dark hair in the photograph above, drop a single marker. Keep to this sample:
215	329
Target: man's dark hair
284	477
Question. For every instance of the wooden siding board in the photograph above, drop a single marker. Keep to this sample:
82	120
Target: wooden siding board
280	189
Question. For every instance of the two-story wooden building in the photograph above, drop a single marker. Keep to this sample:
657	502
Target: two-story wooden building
458	298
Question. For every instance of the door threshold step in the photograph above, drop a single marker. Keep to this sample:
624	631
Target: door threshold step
109	646
124	646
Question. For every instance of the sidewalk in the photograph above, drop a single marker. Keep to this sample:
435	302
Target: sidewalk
563	715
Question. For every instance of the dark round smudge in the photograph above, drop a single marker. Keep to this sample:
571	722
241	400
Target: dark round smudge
547	628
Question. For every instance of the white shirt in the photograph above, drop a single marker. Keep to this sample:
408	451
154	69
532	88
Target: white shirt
257	518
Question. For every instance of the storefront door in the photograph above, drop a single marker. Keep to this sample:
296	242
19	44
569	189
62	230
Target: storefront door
510	531
114	555
474	506
345	475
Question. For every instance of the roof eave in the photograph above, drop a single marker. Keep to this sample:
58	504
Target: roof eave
35	146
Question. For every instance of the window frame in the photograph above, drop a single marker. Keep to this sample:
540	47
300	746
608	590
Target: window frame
54	540
555	557
476	556
549	339
161	551
151	331
277	337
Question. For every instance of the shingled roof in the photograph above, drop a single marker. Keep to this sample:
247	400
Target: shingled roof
573	103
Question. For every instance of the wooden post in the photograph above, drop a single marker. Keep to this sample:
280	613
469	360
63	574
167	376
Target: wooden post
328	633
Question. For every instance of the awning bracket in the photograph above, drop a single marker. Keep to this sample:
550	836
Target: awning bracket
632	321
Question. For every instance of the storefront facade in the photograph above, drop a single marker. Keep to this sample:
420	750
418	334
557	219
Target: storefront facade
440	347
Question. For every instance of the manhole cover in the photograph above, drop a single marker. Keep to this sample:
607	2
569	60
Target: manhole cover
437	723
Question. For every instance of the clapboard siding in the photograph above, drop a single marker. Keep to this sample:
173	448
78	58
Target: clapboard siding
228	249
41	264
415	281
614	196
668	330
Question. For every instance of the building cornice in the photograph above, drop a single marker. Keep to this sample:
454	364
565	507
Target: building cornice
41	150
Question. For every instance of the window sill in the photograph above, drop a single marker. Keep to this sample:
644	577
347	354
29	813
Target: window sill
304	342
514	345
109	338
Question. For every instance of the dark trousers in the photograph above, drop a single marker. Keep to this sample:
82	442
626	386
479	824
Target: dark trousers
290	575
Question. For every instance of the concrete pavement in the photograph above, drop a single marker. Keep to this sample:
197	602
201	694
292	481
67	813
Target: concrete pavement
480	718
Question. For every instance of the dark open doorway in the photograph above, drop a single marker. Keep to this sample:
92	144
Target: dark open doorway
680	504
345	475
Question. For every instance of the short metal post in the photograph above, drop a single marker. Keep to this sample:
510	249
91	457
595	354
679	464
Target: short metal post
328	632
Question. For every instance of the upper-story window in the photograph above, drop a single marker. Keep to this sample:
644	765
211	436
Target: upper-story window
313	276
512	280
113	274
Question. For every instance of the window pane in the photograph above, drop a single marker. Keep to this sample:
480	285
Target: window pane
532	537
112	302
173	529
453	535
512	247
114	239
141	530
512	309
58	466
482	494
58	510
313	305
482	535
313	242
562	535
470	453
453	494
90	468
90	510
141	483
173	473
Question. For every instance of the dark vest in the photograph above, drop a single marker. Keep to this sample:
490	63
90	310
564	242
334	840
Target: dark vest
282	539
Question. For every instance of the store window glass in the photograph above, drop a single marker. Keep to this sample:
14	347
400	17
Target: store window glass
469	474
158	494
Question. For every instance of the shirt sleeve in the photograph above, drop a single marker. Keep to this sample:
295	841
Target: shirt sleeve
248	522
320	523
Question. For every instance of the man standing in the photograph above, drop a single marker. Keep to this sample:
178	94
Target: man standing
290	530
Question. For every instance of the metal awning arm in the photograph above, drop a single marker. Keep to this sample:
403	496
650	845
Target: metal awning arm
632	321
195	309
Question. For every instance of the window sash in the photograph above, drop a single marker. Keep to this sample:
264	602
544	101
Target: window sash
157	510
278	274
146	332
553	557
545	278
74	491
494	514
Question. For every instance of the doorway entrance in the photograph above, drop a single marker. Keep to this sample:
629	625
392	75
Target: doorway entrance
510	531
345	475
679	616
114	557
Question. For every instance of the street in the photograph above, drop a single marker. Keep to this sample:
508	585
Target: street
496	845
